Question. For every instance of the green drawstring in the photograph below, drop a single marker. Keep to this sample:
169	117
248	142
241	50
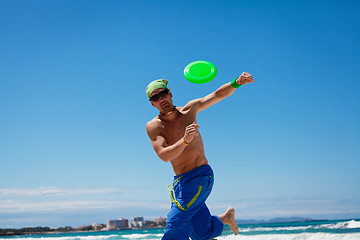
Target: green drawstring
173	199
173	183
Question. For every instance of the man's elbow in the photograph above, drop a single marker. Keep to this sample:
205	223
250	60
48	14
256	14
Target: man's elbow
164	157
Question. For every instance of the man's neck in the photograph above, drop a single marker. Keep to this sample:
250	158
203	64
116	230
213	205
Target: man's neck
169	115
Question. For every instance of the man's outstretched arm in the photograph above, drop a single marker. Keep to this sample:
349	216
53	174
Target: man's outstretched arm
221	93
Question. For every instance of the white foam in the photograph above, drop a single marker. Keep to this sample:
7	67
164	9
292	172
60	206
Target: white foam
353	224
42	237
140	236
300	236
268	229
341	225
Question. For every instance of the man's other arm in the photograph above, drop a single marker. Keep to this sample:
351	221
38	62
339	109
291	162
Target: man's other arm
165	151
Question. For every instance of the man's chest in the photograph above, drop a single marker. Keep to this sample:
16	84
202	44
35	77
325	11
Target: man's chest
174	130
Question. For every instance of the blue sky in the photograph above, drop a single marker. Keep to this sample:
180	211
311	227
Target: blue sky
73	146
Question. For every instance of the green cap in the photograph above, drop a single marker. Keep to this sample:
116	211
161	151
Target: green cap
159	83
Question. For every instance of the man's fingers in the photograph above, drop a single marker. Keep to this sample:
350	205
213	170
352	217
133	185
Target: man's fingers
250	79
193	131
194	124
193	134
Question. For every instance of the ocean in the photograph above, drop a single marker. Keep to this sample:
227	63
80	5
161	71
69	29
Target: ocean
313	230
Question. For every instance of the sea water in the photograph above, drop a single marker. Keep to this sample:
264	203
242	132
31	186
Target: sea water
314	230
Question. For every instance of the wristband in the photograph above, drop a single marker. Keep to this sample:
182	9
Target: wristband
234	83
184	142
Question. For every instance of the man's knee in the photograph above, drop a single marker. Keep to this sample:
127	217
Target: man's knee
180	229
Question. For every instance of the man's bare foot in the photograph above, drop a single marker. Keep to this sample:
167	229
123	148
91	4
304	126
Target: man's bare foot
229	218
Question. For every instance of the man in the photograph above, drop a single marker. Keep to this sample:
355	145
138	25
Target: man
176	139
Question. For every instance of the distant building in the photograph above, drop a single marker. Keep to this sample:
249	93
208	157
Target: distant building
160	220
138	219
137	222
98	227
117	224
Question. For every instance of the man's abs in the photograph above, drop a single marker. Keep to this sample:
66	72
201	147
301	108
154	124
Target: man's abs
182	165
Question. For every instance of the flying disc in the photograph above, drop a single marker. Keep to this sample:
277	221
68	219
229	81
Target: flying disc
200	72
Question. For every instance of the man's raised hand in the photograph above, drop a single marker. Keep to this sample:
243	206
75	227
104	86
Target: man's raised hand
190	131
245	78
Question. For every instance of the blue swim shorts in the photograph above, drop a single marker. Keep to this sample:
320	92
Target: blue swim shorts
189	216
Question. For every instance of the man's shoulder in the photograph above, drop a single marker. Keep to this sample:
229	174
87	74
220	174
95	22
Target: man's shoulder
154	121
193	104
153	124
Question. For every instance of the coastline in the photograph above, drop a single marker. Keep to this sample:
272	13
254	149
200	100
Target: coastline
21	232
29	231
348	229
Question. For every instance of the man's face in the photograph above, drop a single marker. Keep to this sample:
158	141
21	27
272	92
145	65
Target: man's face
161	99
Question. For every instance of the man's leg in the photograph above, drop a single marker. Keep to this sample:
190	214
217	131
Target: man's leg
187	204
188	196
229	218
178	225
205	226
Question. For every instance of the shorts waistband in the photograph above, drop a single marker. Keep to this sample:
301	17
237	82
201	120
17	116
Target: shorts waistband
198	170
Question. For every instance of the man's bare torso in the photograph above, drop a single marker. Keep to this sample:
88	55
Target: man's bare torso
172	129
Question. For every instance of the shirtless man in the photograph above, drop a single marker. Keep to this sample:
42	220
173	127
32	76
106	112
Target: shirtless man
176	139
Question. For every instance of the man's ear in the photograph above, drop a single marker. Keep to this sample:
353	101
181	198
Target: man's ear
152	104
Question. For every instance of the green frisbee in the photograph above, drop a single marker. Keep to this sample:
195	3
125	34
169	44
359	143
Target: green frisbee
200	72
